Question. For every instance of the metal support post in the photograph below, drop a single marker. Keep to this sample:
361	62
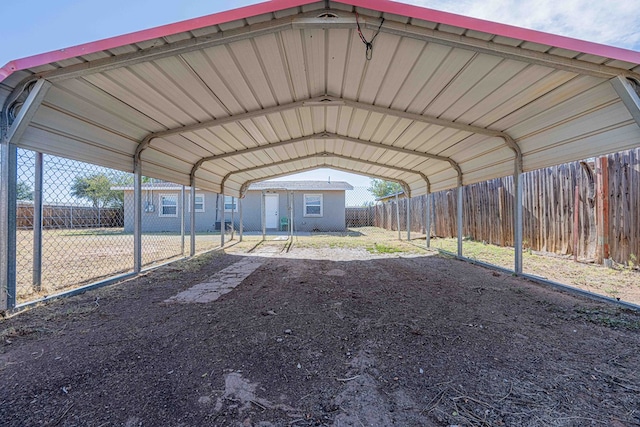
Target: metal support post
398	217
408	219
192	211
233	211
427	220
183	204
8	184
240	231
291	214
137	217
517	221
11	132
460	221
263	215
222	226
37	225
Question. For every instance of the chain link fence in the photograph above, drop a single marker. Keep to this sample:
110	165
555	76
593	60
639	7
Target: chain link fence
77	235
84	231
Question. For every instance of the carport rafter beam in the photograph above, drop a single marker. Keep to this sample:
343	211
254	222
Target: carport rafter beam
628	90
322	154
19	125
504	51
144	144
328	101
245	186
328	135
509	141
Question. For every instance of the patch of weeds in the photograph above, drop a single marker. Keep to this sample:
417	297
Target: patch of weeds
610	318
15	332
611	291
379	248
79	310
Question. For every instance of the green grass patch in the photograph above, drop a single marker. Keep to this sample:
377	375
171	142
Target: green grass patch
379	248
610	318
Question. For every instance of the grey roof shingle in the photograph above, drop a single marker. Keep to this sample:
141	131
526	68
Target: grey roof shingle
264	185
301	185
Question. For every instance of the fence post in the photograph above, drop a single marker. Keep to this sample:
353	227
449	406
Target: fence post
292	215
398	217
192	206
459	220
263	216
602	200
233	211
137	216
222	225
576	219
8	206
427	222
183	198
37	225
408	218
240	231
517	221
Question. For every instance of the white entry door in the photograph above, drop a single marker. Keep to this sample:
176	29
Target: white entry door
271	203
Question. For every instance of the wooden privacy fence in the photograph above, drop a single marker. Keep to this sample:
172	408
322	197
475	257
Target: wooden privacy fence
588	209
68	217
360	216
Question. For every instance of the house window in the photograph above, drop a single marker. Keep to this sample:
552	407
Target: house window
168	205
199	202
230	204
313	205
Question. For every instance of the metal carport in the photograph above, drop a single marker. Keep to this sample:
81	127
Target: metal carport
429	99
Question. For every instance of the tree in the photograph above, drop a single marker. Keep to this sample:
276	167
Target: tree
24	191
380	188
96	188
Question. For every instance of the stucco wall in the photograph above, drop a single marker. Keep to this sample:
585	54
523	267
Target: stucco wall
152	222
333	218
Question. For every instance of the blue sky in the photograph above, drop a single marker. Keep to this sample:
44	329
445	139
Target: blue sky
38	26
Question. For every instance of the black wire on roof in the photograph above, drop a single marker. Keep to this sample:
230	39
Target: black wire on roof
368	44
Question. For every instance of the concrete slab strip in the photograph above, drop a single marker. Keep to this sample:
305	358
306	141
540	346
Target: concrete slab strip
220	283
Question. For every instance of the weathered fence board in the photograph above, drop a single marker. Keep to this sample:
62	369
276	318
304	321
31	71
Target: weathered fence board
68	217
549	210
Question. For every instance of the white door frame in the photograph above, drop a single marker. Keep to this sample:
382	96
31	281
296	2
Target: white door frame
272	208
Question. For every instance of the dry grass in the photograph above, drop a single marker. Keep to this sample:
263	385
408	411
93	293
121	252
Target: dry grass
72	258
620	282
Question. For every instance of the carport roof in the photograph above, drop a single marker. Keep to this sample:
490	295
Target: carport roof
285	86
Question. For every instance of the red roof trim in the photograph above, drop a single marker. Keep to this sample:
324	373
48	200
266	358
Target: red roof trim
276	5
498	29
149	34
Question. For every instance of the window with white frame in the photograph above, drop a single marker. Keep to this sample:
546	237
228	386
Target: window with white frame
168	205
199	202
230	204
313	205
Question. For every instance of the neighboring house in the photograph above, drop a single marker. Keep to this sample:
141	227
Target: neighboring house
317	206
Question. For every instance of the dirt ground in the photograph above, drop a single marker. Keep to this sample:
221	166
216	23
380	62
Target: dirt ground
322	337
